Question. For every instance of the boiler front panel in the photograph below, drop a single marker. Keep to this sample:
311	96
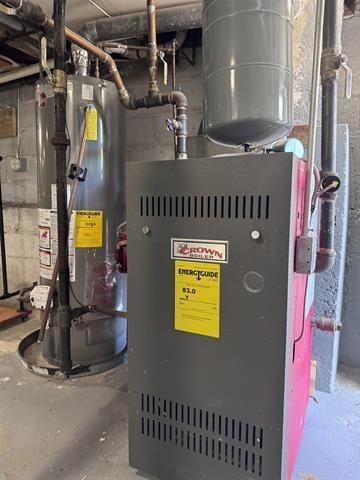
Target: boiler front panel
210	262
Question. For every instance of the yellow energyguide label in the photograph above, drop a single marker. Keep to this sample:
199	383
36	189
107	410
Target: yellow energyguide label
197	298
88	228
91	124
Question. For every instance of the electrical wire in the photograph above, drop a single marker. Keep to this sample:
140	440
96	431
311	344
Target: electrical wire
75	297
303	320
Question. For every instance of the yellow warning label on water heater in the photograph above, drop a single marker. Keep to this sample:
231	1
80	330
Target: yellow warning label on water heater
91	124
88	229
197	298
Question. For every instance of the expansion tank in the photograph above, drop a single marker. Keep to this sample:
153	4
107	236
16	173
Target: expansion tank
247	65
99	209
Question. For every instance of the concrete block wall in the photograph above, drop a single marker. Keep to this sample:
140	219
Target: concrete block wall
19	191
329	285
349	112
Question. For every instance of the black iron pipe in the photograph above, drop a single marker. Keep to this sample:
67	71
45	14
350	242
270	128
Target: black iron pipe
60	142
329	78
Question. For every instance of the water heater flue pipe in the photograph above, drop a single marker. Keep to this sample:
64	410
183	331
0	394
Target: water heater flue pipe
27	10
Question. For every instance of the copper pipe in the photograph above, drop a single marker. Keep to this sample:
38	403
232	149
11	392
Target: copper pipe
101	55
152	43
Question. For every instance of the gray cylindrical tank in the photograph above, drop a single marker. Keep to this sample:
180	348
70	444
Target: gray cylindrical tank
247	70
95	338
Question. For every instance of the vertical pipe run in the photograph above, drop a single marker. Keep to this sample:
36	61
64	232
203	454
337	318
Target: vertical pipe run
315	90
326	253
153	85
60	142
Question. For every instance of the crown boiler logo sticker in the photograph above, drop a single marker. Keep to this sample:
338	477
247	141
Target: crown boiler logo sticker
214	251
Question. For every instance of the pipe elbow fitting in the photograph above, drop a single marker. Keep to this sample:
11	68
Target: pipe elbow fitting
325	260
179	99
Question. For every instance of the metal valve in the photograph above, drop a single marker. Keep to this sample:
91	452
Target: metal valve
166	68
43	58
330	184
348	75
172	125
326	324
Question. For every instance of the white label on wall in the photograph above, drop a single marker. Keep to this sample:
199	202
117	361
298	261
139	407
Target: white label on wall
48	243
87	92
214	251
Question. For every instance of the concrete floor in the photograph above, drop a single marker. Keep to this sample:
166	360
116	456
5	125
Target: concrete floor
77	430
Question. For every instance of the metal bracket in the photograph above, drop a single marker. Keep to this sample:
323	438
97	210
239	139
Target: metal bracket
306	247
77	172
348	76
331	62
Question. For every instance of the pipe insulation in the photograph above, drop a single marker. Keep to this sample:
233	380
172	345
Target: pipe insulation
185	17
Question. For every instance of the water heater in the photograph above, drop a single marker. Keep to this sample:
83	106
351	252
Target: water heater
247	70
96	338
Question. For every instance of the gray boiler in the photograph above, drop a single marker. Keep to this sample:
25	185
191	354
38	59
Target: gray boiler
218	373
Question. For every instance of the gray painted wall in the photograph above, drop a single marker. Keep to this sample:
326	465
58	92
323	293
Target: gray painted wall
350	113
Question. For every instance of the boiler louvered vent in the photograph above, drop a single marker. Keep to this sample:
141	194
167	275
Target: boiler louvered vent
206	206
201	432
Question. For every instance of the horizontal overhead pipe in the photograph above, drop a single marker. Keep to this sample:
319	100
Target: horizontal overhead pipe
184	17
27	10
